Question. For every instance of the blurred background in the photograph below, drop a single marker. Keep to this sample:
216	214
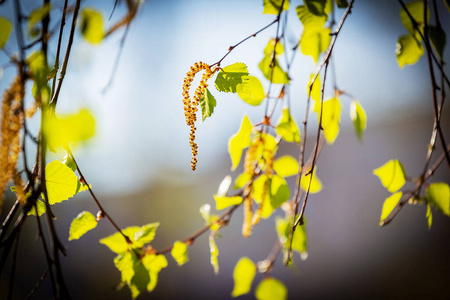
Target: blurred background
139	161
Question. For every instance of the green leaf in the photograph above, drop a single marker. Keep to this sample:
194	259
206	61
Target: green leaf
272	7
61	182
6	27
278	192
230	77
415	8
243	275
40	208
316	7
316	184
36	16
73	128
271	289
409	49
242	180
214	253
125	264
359	118
68	161
392	175
342	3
140	280
310	20
388	206
207	103
82	223
251	90
278	75
224	201
316	89
287	128
315	41
331	117
438	195
138	236
429	216
92	26
299	239
179	253
239	141
286	166
279	49
154	263
438	39
39	71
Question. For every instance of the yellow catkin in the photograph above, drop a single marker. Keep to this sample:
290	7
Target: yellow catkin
20	191
248	215
190	105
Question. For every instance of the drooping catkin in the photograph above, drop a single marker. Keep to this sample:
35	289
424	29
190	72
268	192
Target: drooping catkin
190	105
248	215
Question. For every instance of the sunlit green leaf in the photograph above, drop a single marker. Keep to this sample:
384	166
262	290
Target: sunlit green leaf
39	72
242	180
316	184
207	103
138	236
315	41
239	142
392	175
277	193
316	7
287	128
389	204
359	118
342	3
154	264
299	239
278	75
40	208
140	280
438	39
214	253
409	49
125	264
429	216
286	166
224	201
438	195
273	6
36	16
331	117
415	8
179	253
82	223
251	90
243	275
316	88
279	49
271	289
230	77
310	20
61	182
6	27
92	26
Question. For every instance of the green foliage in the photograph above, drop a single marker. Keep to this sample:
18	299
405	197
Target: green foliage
251	90
316	7
207	103
269	65
273	6
214	251
179	253
309	20
392	175
429	216
138	236
438	195
39	71
277	194
415	8
287	128
409	49
61	182
388	206
299	239
331	117
342	3
359	118
41	209
224	201
37	15
243	275
286	166
92	26
82	223
239	141
316	88
315	41
316	184
438	39
6	27
271	289
153	264
241	180
230	77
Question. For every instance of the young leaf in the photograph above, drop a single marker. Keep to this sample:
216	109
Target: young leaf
230	77
251	90
287	128
315	41
243	275
140	280
316	89
242	180
309	20
6	27
82	223
392	175
273	6
409	49
316	184
331	117
40	208
438	195
429	216
205	212
239	141
415	8
39	72
207	103
277	193
138	236
299	240
388	206
438	39
61	182
154	263
224	201
286	166
179	253
36	16
316	7
342	3
214	253
125	264
359	118
92	26
271	289
270	47
278	75
224	186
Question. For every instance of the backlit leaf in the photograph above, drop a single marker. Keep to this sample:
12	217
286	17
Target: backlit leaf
224	201
359	118
242	180
287	128
409	49
316	88
286	166
251	90
239	142
243	275
342	3
230	77
299	239
138	236
415	8
315	41
438	195
214	253
389	204
39	72
273	6
278	192
429	216
125	264
310	20
40	208
37	15
392	175
92	26
316	184
331	117
279	49
154	263
278	75
139	281
207	103
179	253
438	39
271	289
6	27
316	7
82	223
61	182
